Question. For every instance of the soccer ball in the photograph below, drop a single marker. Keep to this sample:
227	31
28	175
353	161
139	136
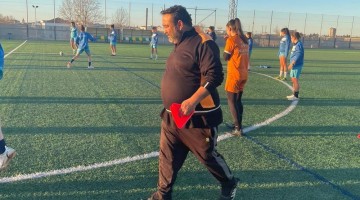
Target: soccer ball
61	53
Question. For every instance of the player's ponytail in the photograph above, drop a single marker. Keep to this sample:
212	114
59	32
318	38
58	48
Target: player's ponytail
240	31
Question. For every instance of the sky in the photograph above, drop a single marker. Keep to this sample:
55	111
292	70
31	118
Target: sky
297	14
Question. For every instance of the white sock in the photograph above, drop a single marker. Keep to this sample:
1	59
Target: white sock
285	73
281	73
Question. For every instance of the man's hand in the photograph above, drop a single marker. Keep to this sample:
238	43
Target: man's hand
290	66
190	104
187	106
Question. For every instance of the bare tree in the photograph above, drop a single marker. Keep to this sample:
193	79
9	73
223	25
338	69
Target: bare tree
120	18
81	11
7	19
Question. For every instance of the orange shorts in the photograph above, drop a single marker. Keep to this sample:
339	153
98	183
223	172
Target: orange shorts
235	86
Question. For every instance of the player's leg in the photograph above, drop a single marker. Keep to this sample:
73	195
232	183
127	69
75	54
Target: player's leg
73	45
114	46
88	53
78	52
172	155
284	69
152	52
249	65
295	74
6	153
240	109
282	61
296	86
232	103
202	143
156	53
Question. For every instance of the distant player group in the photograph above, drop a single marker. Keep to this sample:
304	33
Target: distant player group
79	43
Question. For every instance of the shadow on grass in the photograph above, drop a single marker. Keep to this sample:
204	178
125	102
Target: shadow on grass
113	183
81	130
332	102
291	131
75	100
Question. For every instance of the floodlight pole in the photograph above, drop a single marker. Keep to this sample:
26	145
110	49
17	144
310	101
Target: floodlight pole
35	13
27	20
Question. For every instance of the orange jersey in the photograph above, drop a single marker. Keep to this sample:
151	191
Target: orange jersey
237	67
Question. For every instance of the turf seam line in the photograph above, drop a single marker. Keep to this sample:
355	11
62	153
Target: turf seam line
135	74
300	167
220	138
21	177
15	49
288	160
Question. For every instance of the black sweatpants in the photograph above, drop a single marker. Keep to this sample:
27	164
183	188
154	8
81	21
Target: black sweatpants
174	147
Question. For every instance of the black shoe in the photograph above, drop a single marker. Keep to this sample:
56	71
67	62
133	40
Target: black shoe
228	190
230	125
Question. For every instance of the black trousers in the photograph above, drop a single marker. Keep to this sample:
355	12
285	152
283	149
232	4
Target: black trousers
174	147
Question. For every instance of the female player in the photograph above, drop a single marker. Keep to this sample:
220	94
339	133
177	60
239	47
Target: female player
283	52
236	53
73	35
296	64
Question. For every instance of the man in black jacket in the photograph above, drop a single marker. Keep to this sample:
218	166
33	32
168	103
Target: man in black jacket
193	71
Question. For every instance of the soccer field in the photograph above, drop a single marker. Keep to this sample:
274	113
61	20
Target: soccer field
94	134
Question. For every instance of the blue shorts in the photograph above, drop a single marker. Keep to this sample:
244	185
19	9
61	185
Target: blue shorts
295	72
1	62
72	39
1	66
86	49
281	54
154	46
113	43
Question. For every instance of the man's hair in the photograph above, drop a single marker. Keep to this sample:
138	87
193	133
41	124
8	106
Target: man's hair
154	28
82	28
73	23
212	28
179	13
112	25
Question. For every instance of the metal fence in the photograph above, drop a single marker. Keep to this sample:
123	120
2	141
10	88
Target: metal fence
319	30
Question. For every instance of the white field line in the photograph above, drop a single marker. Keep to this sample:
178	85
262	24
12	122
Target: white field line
81	168
15	49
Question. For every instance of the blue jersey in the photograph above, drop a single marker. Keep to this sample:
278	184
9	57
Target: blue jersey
73	32
154	39
1	61
112	36
284	46
82	40
297	55
250	43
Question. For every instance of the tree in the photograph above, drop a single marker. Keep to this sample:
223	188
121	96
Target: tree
81	11
120	18
7	19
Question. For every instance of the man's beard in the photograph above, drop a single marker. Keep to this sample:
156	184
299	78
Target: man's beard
177	37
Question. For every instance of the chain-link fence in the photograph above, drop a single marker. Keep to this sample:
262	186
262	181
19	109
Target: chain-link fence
318	30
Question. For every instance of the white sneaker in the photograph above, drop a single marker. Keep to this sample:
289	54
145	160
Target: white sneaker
68	65
6	157
90	67
292	98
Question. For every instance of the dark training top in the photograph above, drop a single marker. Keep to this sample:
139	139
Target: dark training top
194	62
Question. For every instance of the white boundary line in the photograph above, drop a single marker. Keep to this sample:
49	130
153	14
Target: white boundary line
15	49
81	168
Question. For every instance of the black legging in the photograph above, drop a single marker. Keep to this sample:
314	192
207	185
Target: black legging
236	107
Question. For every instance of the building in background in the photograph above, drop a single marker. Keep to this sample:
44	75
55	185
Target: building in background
332	32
